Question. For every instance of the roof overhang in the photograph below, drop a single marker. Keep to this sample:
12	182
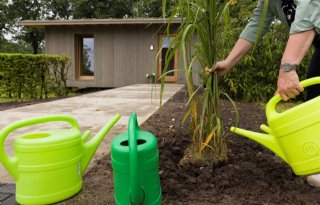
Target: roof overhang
93	22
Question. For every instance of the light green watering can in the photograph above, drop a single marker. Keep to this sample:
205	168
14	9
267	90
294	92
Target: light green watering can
294	135
135	160
48	165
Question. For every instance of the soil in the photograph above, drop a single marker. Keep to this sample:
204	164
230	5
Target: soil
252	175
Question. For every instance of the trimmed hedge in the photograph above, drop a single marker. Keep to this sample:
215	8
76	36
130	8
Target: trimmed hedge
33	76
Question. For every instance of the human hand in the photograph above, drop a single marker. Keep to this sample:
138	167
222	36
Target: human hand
288	85
221	68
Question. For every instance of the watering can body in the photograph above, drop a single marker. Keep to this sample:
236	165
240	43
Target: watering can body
294	134
48	165
135	159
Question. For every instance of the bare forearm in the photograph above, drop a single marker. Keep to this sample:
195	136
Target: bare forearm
297	47
240	49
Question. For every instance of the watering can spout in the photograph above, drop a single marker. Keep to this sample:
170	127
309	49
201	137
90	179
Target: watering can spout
90	147
266	140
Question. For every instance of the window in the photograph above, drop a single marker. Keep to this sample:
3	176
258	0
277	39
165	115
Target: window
85	57
165	45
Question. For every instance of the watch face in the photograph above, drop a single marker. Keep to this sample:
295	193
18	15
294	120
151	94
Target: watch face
288	67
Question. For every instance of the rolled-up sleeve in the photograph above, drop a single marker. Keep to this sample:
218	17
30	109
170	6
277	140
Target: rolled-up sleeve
251	30
307	16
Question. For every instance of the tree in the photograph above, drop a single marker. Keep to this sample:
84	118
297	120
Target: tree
103	9
153	8
17	10
27	10
15	47
119	8
60	9
86	62
3	18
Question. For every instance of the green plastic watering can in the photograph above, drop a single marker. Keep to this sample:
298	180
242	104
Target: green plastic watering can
294	135
135	158
48	165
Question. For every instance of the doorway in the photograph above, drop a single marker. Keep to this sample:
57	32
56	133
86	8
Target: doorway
172	73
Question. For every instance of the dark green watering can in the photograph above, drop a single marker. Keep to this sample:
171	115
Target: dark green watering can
135	159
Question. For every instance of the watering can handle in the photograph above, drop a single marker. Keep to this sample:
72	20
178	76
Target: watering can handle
8	162
137	194
271	106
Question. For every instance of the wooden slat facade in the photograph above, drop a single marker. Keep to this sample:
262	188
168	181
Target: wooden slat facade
122	53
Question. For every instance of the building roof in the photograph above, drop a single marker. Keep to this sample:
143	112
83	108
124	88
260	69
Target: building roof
88	22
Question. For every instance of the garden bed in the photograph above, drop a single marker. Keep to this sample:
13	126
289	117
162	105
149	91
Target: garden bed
252	175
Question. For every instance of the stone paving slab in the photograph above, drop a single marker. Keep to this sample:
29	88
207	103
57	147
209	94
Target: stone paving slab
7	194
92	111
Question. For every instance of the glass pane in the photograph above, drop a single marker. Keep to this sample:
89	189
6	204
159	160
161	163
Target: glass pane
166	41
87	58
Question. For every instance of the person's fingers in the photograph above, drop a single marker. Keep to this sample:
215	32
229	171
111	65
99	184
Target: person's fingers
291	94
295	92
300	88
207	70
286	95
283	96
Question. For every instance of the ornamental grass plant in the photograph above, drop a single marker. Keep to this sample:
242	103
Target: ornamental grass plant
199	38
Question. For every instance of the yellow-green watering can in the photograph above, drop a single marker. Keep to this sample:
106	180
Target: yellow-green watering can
294	135
48	165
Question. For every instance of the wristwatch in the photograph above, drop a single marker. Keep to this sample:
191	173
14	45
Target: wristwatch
286	67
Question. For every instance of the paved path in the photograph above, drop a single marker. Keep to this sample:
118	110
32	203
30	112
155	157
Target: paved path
91	111
7	194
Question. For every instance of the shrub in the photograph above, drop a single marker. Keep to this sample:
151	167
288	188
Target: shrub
255	77
33	76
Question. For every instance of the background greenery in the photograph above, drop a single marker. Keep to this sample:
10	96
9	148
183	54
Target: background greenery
13	11
253	79
28	76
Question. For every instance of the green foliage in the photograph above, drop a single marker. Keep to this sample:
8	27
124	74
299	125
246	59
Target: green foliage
86	63
15	47
3	17
11	12
150	8
27	10
33	76
200	36
117	9
60	9
254	78
102	9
